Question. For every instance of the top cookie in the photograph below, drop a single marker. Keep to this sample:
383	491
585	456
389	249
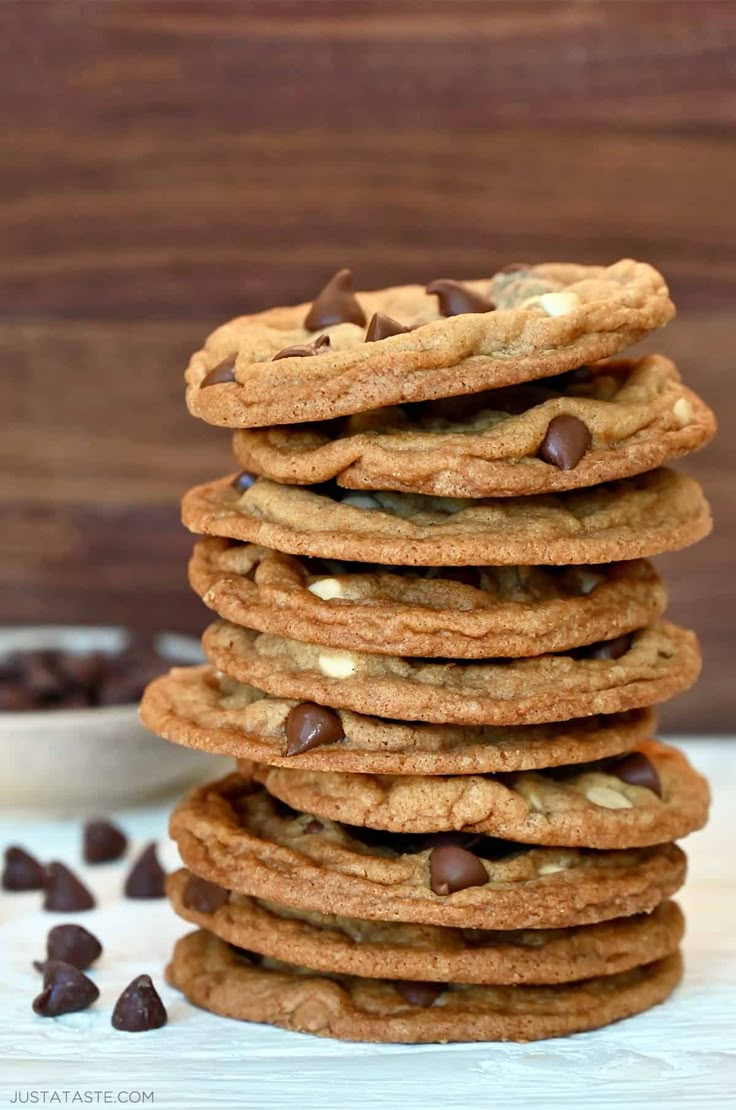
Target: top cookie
523	323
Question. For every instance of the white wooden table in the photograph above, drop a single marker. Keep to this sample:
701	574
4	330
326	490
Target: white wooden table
682	1054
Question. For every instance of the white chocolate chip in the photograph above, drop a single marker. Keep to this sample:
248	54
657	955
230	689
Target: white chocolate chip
360	501
336	664
534	800
550	868
326	588
682	411
607	797
558	304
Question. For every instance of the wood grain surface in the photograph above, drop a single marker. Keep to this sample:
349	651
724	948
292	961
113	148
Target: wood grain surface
166	164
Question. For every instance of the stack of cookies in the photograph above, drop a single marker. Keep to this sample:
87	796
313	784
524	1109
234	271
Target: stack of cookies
438	648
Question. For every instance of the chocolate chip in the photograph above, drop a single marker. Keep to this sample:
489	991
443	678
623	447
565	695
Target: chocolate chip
609	649
103	842
147	878
637	770
320	346
204	896
382	326
22	871
65	990
243	481
565	442
335	304
223	372
139	1007
454	298
310	726
419	994
313	825
71	944
452	868
65	893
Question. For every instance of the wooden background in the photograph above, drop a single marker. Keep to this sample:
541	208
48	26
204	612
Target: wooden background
164	165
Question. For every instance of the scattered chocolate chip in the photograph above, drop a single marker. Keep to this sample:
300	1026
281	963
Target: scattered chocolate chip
310	726
70	944
65	990
320	346
454	298
223	372
22	871
382	326
313	825
565	442
103	842
335	304
609	649
147	878
637	770
65	893
139	1007
243	481
204	896
452	868
419	994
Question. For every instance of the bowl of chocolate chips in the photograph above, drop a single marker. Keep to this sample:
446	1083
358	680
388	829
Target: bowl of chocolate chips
70	738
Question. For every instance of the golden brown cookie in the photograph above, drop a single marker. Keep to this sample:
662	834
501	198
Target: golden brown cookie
636	517
198	708
473	612
393	950
236	835
527	439
640	669
549	319
237	984
648	796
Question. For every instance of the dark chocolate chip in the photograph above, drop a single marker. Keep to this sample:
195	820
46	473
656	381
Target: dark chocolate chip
320	346
204	896
65	893
452	868
22	871
14	698
147	878
609	649
220	374
382	326
637	770
71	944
139	1007
454	298
103	842
243	481
565	442
335	304
419	994
310	726
65	990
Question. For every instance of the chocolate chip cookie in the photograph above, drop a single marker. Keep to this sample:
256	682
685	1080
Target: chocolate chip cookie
200	708
636	517
643	668
648	796
330	359
238	984
235	834
592	425
460	613
394	950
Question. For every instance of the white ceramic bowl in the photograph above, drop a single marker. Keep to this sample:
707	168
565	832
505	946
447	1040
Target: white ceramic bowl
85	760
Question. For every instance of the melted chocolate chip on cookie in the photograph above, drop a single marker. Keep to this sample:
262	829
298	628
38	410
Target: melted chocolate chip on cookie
220	374
565	442
452	868
203	895
320	346
311	726
637	770
382	326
